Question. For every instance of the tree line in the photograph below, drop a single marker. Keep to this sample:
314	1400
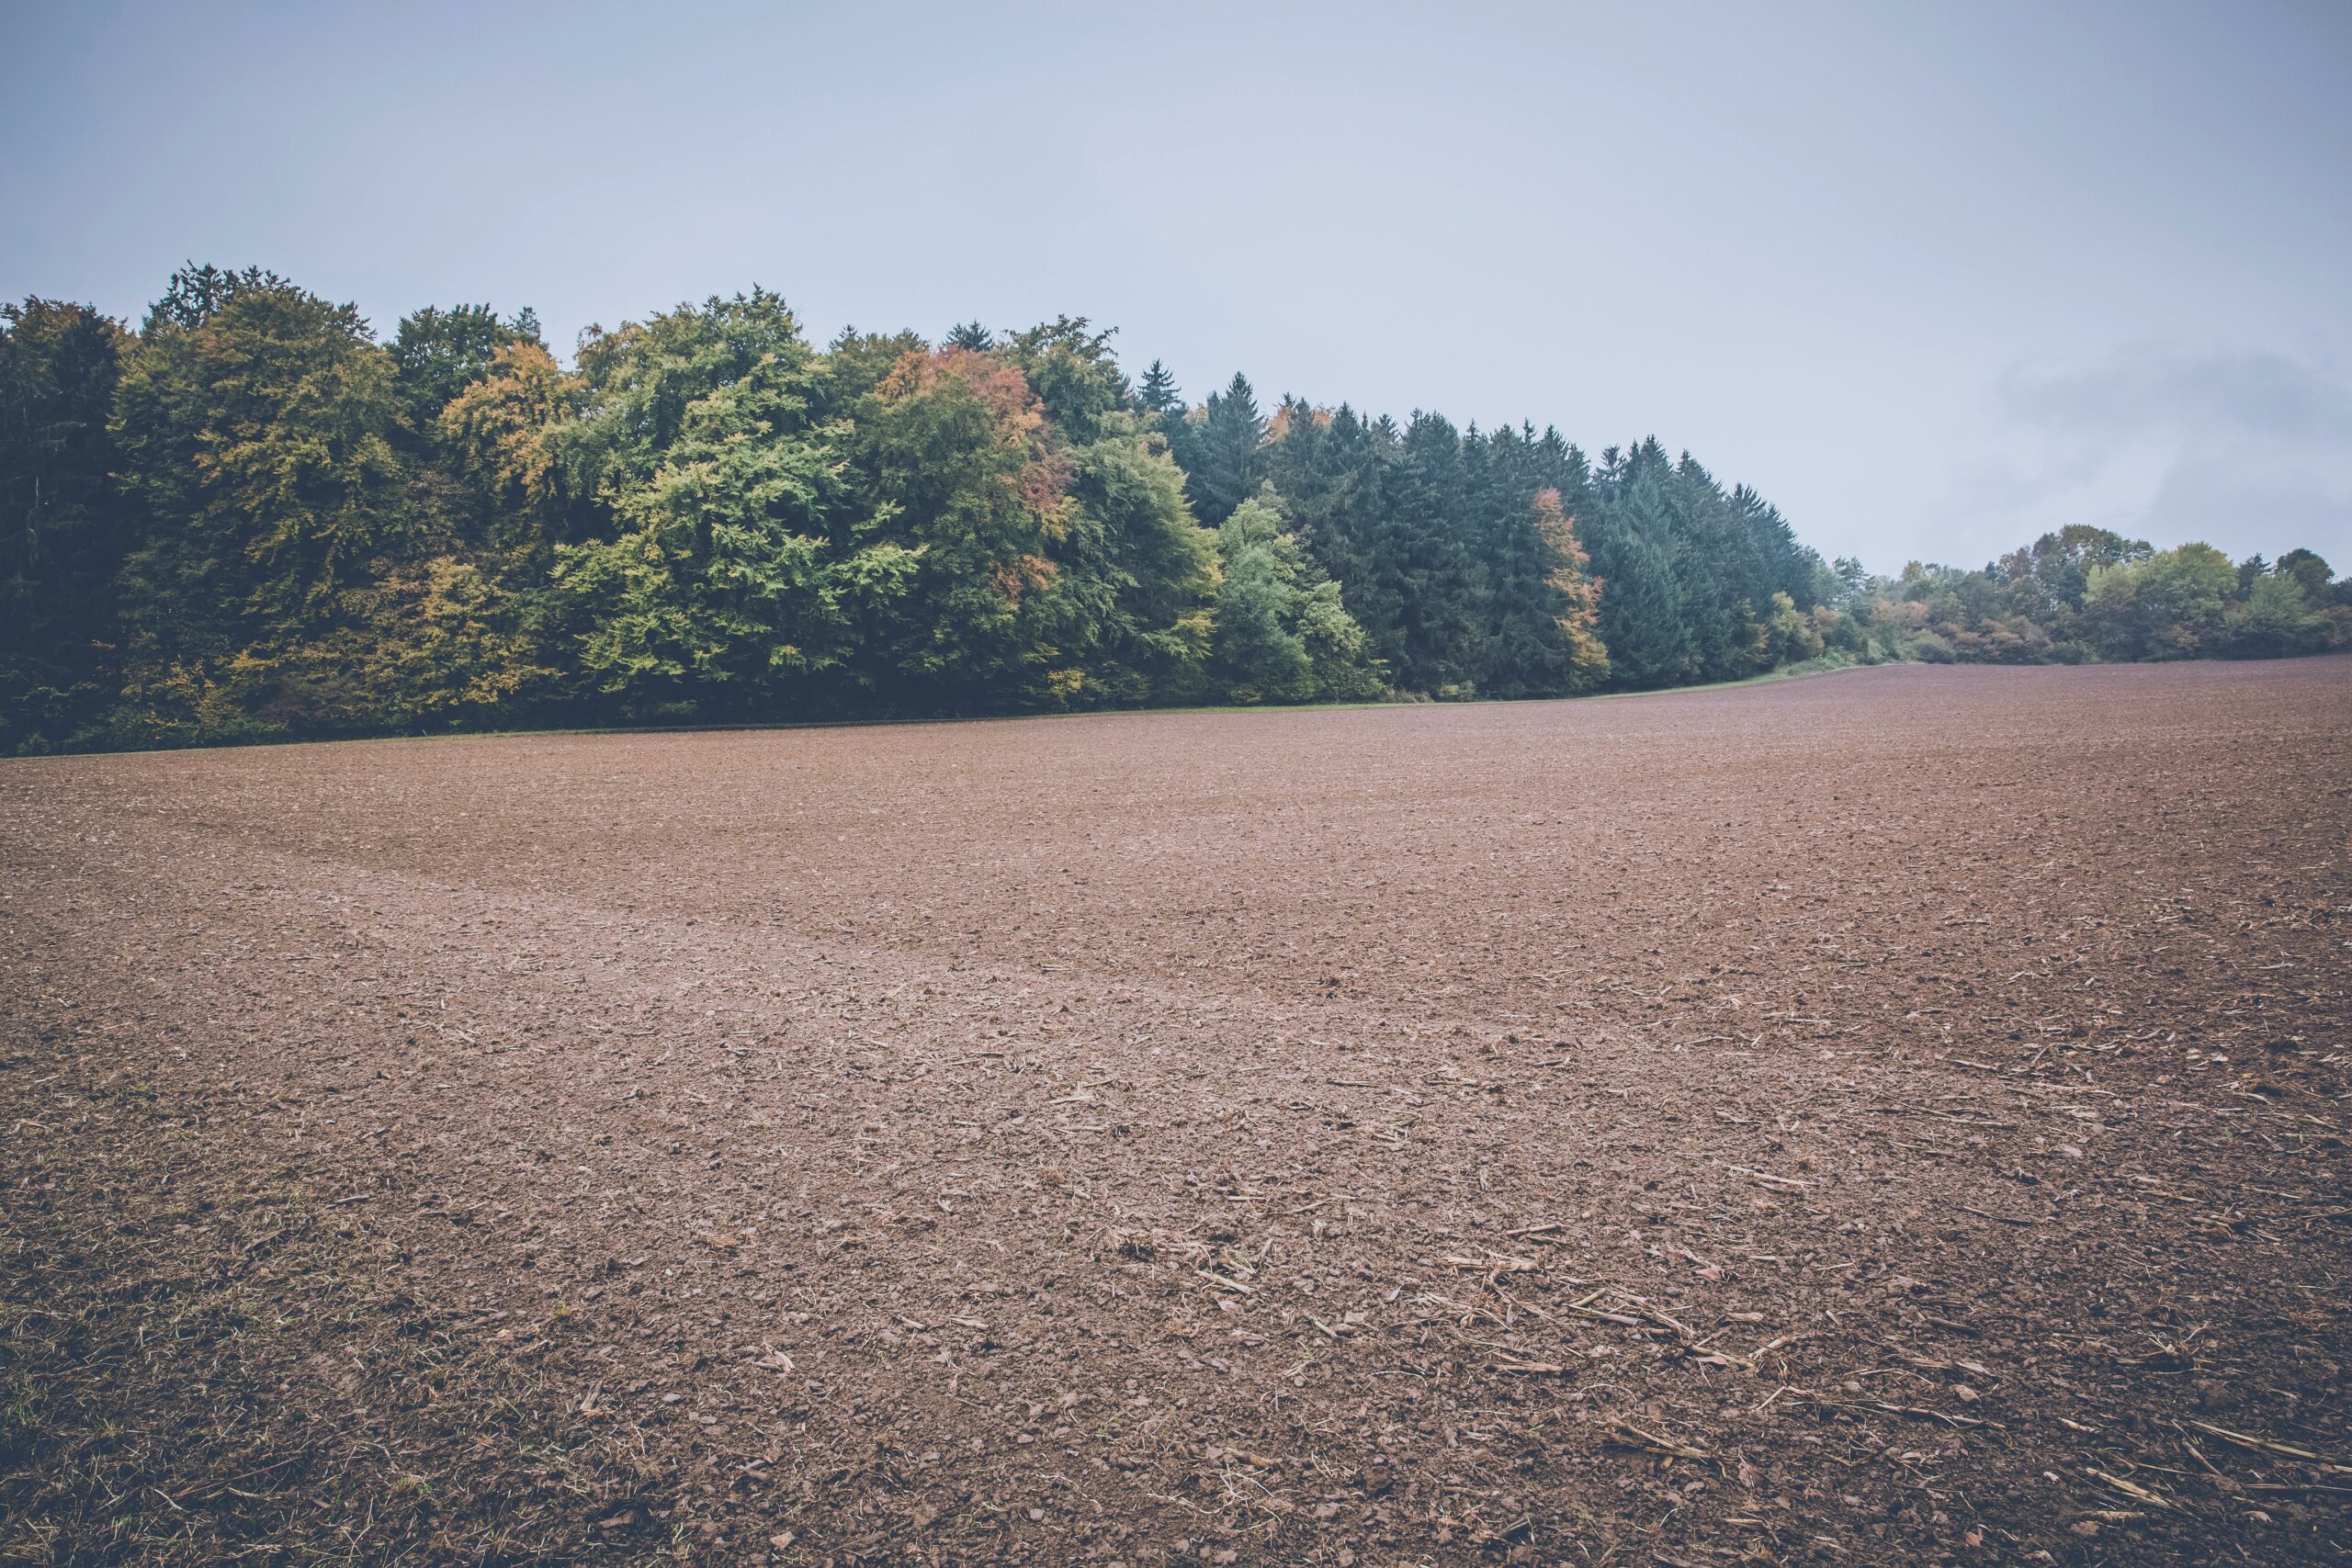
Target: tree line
251	519
2084	594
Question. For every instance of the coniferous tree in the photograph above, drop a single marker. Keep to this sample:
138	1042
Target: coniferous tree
1221	459
1441	581
194	294
1157	394
1633	549
1328	468
253	519
63	530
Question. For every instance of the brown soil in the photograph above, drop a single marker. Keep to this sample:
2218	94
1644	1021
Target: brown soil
1890	1118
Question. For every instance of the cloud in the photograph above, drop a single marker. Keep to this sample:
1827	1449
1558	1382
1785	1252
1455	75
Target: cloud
2214	498
2010	484
2153	389
2248	449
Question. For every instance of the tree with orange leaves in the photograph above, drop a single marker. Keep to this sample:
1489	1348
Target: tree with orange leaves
1578	615
956	451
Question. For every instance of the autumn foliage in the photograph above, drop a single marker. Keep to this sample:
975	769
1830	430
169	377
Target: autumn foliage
251	518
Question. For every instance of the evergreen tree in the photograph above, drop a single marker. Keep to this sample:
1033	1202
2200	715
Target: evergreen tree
1328	468
63	532
194	294
1156	395
253	519
1633	549
1221	460
1441	581
1545	641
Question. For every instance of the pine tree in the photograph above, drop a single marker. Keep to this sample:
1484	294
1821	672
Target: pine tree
193	295
1158	395
1222	462
1634	547
63	530
1441	583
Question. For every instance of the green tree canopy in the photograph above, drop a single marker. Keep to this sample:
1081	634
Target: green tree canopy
258	443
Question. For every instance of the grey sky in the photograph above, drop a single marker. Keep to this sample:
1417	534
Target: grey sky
1932	278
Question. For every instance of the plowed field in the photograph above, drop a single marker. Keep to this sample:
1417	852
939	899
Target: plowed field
1895	1117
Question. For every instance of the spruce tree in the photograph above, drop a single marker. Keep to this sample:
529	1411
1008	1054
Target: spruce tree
1158	395
1222	464
63	529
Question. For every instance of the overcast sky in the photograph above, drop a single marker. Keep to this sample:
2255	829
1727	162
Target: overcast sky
1934	280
